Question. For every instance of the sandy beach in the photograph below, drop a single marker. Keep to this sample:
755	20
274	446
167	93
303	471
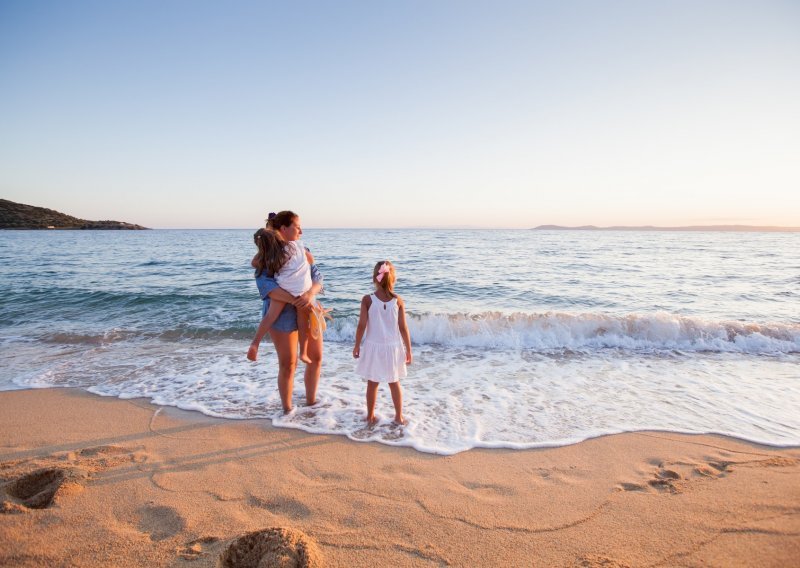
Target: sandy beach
92	481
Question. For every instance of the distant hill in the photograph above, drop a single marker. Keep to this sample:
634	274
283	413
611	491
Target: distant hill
21	216
722	228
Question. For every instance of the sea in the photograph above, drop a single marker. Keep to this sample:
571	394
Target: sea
521	338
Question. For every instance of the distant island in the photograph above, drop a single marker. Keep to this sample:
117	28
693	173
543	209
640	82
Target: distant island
20	216
720	228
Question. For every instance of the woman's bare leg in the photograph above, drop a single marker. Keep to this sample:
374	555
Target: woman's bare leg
313	368
372	396
397	400
286	347
275	308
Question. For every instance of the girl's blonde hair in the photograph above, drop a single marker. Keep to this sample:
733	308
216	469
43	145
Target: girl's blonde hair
384	269
272	253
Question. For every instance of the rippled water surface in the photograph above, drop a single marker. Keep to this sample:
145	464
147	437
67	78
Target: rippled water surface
521	338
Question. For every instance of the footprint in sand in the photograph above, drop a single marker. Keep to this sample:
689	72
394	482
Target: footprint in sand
632	487
285	506
38	489
102	457
272	547
597	561
666	480
489	488
160	522
102	450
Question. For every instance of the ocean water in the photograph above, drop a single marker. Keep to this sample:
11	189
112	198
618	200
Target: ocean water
521	338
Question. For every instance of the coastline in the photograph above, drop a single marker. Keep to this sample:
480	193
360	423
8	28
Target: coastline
157	486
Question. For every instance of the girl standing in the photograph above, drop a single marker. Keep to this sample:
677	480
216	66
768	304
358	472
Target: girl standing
387	345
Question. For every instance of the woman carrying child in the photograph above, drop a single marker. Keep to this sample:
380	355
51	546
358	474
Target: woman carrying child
282	260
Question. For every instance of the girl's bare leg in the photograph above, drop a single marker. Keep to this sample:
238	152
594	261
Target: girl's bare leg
303	316
286	347
313	368
397	400
269	318
372	396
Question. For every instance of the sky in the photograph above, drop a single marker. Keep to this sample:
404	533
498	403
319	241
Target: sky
378	113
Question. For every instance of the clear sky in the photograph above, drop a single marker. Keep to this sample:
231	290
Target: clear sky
379	113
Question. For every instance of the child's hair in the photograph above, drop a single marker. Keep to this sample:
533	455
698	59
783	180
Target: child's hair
383	277
280	219
272	253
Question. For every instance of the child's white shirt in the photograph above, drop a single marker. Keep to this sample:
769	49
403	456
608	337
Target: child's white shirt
295	275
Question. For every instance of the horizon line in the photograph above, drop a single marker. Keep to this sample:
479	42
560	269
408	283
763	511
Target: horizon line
641	228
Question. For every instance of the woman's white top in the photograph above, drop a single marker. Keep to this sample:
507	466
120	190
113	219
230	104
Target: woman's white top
295	275
383	355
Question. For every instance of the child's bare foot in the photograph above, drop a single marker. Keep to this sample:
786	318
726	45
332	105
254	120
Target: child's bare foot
371	420
252	353
400	420
305	358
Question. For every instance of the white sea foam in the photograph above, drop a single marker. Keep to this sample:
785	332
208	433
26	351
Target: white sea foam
456	398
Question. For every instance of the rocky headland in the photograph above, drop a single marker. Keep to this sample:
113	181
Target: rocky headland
20	216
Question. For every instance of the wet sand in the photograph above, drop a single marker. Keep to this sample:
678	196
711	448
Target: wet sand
93	481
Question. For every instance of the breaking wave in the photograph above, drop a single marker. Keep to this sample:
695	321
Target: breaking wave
562	331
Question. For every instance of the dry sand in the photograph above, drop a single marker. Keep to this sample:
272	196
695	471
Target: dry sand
91	481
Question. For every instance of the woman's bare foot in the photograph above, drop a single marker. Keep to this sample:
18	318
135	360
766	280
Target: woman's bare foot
252	353
371	420
400	420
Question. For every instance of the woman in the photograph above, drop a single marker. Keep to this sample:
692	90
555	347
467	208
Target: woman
283	332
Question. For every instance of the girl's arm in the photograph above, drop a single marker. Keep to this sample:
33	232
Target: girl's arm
366	302
401	322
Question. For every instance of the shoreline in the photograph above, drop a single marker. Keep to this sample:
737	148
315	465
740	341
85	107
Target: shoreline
152	485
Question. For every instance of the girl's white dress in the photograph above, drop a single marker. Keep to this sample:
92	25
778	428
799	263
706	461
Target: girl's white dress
295	274
383	356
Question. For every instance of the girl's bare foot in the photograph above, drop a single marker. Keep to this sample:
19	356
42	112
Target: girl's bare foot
304	358
252	353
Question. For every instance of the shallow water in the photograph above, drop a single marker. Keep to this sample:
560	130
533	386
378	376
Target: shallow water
521	338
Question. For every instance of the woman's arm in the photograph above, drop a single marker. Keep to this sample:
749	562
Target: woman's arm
268	287
307	298
316	275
